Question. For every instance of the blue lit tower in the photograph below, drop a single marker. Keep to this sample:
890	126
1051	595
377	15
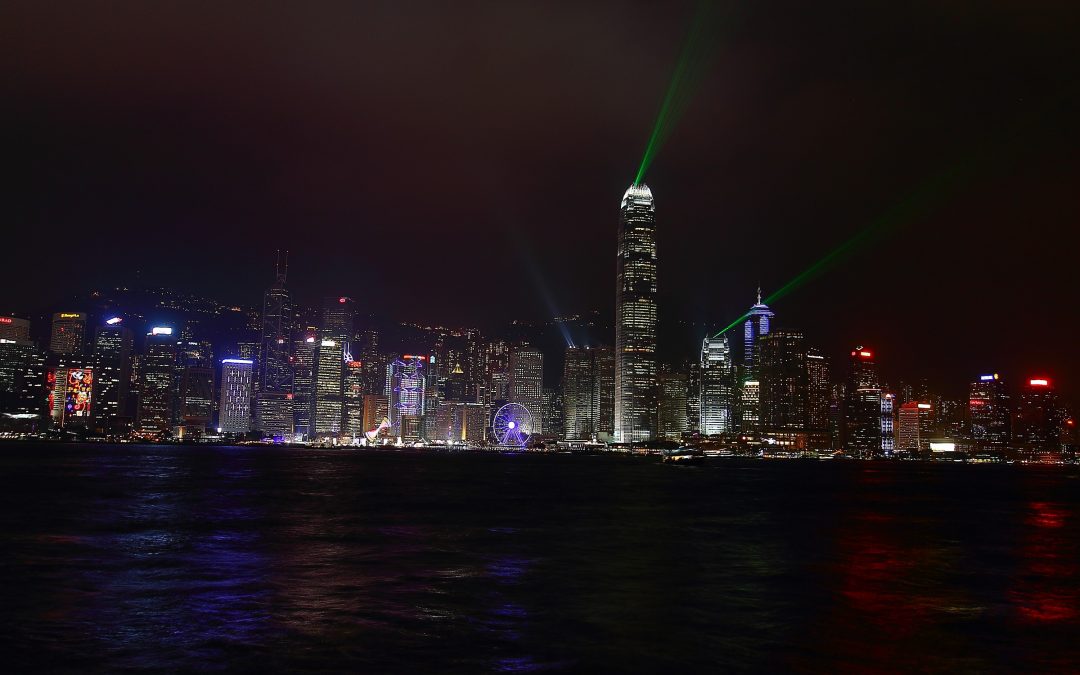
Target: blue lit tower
757	324
635	318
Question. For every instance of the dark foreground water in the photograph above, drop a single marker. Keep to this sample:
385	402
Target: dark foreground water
282	560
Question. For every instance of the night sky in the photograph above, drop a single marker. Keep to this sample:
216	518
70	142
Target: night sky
463	163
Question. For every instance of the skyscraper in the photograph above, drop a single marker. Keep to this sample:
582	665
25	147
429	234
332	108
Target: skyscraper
14	328
1038	419
22	380
527	383
338	319
988	410
716	395
234	406
111	358
157	374
304	349
818	390
329	404
196	400
68	329
588	391
781	366
862	406
406	386
274	400
671	414
756	325
914	427
353	400
635	318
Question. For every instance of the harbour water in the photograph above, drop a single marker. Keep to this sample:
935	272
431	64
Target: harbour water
278	560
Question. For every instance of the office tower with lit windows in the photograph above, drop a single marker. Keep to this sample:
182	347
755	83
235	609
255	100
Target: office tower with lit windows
526	386
111	358
782	372
22	381
328	408
818	390
588	392
693	397
671	414
338	319
750	407
1038	419
274	387
636	318
716	396
915	427
234	405
68	330
989	412
196	401
304	349
888	423
14	328
406	384
353	400
757	324
862	405
157	389
554	418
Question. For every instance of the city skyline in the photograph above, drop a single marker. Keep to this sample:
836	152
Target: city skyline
796	140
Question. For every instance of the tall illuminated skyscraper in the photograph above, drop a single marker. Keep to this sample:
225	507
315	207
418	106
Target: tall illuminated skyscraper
406	387
588	389
1037	419
68	329
304	349
157	376
781	368
988	408
635	318
671	407
112	359
756	325
234	413
328	410
862	405
716	393
527	383
274	401
818	394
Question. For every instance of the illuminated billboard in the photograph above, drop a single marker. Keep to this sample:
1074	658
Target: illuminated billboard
80	385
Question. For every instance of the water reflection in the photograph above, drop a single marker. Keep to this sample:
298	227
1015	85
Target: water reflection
1046	586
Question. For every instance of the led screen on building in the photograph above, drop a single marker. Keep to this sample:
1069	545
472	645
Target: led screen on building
80	384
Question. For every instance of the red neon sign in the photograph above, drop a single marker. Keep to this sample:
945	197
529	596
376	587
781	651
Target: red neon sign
1039	382
343	300
5	319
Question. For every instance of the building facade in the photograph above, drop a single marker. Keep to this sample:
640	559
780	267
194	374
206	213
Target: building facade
234	404
716	394
636	318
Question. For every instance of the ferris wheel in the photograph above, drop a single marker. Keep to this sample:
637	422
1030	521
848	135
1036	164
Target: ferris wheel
512	425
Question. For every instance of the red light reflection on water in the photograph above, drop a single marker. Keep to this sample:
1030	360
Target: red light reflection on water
1046	587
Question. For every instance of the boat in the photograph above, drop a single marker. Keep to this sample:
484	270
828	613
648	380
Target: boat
683	456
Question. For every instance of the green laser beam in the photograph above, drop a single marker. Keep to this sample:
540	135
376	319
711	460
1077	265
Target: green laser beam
916	205
681	88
